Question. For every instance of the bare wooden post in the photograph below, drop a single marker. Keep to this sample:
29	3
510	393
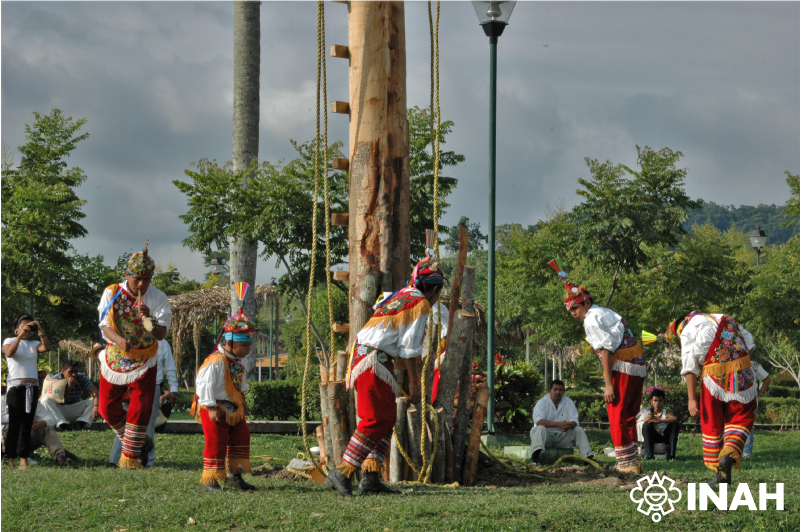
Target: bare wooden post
463	330
397	462
324	408
379	172
321	443
471	461
438	472
461	261
465	380
337	420
414	434
448	447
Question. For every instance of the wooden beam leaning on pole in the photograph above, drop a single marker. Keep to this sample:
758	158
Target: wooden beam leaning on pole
471	460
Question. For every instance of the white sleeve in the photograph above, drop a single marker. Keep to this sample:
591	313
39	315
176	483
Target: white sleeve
162	311
573	412
603	335
245	386
539	411
107	295
410	340
748	338
206	379
761	373
696	340
169	369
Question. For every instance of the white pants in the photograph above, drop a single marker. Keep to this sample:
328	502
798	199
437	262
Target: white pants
116	449
66	414
542	438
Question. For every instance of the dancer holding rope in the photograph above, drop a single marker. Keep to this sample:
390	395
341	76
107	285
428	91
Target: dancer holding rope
394	331
624	368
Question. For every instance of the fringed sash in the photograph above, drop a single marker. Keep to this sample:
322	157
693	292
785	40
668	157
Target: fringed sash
727	371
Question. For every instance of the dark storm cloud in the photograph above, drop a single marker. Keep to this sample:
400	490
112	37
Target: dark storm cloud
718	81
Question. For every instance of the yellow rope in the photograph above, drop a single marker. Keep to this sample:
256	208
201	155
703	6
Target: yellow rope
328	275
529	469
320	63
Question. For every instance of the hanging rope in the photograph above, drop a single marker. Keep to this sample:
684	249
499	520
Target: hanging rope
312	270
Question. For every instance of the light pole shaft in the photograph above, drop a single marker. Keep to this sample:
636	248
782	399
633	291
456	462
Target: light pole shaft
271	332
492	188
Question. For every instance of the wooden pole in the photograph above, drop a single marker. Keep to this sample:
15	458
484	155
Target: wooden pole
463	330
321	443
397	462
438	472
380	191
471	460
461	422
461	261
325	410
337	420
414	449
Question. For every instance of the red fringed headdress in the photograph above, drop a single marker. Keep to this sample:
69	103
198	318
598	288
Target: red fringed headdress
575	294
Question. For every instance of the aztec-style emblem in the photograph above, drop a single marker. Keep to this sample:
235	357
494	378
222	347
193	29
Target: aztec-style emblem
656	495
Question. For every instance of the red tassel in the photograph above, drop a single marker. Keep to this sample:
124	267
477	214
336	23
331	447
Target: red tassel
554	265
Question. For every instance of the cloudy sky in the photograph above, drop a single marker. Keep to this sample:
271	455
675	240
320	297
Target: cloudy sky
718	81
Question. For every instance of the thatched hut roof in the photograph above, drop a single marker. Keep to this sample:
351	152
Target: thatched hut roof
76	348
194	310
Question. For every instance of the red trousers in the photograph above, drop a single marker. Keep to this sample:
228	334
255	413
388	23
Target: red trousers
725	427
622	417
223	440
378	411
130	426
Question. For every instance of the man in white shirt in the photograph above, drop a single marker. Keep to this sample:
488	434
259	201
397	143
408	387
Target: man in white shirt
166	369
656	424
717	349
42	433
555	421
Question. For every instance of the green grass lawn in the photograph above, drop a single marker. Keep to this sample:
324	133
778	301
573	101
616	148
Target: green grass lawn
93	497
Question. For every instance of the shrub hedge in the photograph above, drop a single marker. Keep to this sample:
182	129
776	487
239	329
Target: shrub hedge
280	400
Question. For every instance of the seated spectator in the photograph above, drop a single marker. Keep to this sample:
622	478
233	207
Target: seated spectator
555	421
656	424
42	434
73	409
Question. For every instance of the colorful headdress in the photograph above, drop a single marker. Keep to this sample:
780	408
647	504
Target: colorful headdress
239	328
649	338
575	294
141	264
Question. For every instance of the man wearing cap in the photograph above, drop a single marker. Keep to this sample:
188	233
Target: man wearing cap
624	368
716	348
220	407
394	331
133	317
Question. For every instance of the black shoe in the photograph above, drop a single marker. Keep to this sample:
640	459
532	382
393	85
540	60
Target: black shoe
111	464
144	454
536	456
371	481
724	469
214	488
649	457
590	457
238	482
337	481
63	427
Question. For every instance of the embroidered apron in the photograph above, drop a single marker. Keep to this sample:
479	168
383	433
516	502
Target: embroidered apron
727	363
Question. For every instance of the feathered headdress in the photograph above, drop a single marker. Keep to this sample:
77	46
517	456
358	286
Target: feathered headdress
141	263
575	294
239	328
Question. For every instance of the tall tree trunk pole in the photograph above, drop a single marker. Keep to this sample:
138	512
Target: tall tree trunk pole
379	172
246	72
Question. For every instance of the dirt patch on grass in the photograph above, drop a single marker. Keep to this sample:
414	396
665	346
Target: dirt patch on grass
492	474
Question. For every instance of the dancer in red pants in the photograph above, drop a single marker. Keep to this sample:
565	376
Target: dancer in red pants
220	407
395	330
624	369
716	348
133	317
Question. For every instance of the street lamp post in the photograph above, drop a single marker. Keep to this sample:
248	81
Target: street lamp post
273	284
493	18
758	239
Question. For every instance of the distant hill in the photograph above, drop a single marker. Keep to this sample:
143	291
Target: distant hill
746	218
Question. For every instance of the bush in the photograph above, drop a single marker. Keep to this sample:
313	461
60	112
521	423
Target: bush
779	410
591	406
784	391
280	400
517	387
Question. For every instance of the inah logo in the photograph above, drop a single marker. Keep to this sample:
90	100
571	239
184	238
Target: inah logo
656	496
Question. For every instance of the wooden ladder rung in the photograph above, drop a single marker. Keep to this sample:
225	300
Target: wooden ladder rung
340	219
340	107
341	328
341	164
341	276
340	50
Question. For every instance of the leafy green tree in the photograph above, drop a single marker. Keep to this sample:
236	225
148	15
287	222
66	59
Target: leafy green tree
420	161
771	218
792	211
170	281
40	215
477	240
621	215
